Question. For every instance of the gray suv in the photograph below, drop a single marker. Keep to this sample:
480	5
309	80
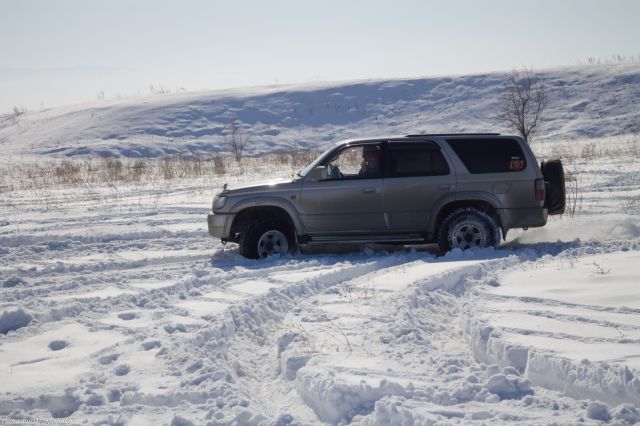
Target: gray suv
456	190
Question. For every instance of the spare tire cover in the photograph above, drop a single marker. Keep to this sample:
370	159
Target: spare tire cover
553	173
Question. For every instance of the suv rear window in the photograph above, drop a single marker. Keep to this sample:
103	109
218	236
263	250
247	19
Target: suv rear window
482	155
416	159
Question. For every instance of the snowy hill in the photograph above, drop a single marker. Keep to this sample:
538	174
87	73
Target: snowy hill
586	101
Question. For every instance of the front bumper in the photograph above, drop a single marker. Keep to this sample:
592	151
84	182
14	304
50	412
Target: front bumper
219	225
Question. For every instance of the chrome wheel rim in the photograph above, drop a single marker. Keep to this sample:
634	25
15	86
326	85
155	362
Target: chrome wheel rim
468	234
272	242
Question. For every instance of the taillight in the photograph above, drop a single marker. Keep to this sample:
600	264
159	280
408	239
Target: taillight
540	189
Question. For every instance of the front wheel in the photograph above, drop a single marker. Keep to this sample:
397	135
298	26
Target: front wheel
266	238
467	228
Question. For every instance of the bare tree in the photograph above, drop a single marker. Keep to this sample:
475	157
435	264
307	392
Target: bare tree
236	142
18	111
523	102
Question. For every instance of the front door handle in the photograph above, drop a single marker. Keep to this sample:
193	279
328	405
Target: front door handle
368	190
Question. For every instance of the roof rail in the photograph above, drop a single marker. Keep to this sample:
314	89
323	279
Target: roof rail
453	134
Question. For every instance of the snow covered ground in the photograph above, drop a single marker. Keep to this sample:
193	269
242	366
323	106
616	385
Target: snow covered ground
116	307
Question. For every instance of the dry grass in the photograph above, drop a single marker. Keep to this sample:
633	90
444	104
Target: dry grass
580	156
630	204
112	171
573	188
626	147
151	177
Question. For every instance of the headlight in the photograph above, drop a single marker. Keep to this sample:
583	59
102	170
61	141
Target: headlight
218	202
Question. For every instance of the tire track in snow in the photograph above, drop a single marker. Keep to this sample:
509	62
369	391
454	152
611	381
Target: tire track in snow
548	337
247	318
195	340
326	386
370	393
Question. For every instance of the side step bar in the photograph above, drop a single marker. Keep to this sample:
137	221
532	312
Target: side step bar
358	239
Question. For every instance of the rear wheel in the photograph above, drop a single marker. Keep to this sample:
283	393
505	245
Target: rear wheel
266	237
467	228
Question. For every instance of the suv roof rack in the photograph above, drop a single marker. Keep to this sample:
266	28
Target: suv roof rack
452	134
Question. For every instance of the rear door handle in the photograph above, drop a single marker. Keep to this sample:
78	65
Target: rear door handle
445	186
368	190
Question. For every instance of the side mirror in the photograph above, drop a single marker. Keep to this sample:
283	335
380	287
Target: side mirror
319	173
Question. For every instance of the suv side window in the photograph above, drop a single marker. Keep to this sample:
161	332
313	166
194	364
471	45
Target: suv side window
416	159
356	162
484	155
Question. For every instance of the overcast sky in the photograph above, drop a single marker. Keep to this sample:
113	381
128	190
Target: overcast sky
67	51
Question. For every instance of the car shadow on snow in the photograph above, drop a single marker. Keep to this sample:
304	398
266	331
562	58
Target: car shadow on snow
338	249
228	257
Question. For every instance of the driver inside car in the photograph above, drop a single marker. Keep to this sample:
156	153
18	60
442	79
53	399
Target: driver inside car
370	165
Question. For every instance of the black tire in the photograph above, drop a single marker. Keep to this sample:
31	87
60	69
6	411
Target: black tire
265	238
553	174
468	227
